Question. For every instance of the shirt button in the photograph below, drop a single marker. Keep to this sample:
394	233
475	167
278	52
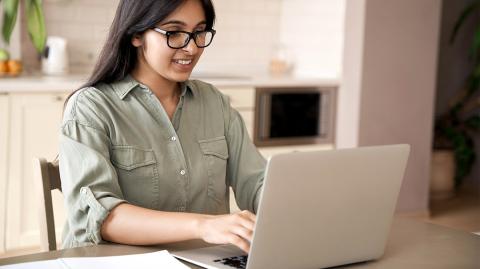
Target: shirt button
173	138
182	172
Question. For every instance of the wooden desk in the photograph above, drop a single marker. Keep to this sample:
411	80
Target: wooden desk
411	244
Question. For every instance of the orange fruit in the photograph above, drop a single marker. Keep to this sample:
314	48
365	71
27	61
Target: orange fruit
14	67
3	68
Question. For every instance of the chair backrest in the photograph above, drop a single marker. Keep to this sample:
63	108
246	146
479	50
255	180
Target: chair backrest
46	178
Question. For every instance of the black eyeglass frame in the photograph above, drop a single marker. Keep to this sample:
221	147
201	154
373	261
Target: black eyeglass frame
191	35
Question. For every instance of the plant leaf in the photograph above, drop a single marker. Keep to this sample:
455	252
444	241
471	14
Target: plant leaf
463	146
465	14
473	122
10	11
36	24
476	45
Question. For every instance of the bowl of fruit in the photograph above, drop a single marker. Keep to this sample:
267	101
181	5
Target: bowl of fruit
9	67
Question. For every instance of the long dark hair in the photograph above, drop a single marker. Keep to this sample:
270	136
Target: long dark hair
119	56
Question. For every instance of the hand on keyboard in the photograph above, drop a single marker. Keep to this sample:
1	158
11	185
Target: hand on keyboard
235	229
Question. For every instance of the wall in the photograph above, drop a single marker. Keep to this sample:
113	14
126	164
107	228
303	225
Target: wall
453	67
84	23
248	32
349	95
312	31
394	74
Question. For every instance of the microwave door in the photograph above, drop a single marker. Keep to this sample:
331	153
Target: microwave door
324	121
264	116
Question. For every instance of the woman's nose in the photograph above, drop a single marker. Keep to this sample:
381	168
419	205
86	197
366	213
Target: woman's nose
191	47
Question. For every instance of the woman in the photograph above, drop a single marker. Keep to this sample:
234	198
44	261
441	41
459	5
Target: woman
146	155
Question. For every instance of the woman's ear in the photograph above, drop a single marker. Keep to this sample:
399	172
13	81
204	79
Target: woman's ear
137	40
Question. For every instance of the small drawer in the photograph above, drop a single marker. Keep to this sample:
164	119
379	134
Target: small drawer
241	97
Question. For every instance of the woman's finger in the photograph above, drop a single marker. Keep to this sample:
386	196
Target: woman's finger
239	242
246	234
246	221
249	215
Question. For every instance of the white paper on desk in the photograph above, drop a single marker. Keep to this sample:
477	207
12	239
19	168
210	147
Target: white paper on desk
50	264
159	259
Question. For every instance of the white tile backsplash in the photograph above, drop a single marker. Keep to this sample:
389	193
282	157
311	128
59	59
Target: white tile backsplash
313	32
247	33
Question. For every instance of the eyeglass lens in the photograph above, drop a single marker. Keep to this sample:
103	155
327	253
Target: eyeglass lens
180	39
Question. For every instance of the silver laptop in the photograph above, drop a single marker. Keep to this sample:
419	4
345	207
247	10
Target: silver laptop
319	209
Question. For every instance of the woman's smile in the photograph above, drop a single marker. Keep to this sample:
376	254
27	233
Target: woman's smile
183	65
183	62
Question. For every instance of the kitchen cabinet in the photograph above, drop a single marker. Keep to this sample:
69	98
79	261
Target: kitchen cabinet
33	124
4	116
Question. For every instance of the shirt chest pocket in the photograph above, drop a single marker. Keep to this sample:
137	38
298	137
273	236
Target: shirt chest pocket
137	174
215	156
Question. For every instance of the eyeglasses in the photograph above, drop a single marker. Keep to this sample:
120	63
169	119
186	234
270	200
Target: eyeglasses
180	39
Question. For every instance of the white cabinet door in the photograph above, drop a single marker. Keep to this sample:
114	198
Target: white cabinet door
4	115
34	129
240	97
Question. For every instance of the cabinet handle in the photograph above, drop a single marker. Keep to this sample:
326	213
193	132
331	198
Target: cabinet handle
58	98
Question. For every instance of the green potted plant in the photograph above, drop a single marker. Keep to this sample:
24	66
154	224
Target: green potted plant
456	129
35	26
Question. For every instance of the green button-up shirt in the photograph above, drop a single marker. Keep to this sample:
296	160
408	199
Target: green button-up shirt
119	145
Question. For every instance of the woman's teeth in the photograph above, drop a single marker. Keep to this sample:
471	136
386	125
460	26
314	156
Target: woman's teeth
184	62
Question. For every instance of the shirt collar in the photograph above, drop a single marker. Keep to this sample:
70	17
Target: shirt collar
123	87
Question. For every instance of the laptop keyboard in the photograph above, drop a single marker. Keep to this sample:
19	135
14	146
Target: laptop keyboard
235	262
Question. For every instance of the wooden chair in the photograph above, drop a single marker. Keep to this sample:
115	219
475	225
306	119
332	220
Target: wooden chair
46	178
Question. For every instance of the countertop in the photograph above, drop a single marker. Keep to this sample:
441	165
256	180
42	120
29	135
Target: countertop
67	83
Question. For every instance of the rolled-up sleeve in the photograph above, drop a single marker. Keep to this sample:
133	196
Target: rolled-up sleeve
246	166
89	181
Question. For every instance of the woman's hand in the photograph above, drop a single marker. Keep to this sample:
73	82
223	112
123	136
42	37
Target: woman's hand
235	229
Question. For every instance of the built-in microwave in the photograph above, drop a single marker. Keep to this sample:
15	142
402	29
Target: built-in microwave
294	116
